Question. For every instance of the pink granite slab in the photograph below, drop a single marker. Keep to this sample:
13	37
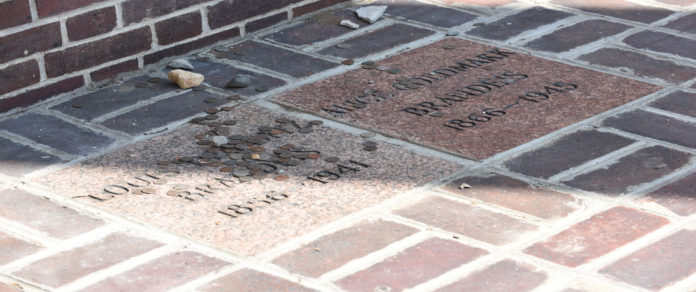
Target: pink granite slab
310	204
522	121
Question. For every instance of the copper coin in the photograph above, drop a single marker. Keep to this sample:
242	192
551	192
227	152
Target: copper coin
348	62
282	177
197	120
212	110
368	63
394	71
275	132
186	158
369	67
234	97
331	159
227	108
370	148
149	190
226	169
229	122
287	146
283	160
313	156
201	136
211	117
204	142
316	122
214	124
216	164
369	143
282	120
449	47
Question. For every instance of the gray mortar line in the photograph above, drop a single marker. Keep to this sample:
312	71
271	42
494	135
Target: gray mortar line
92	126
673	115
137	105
36	145
18	230
597	163
315	55
652	141
24	285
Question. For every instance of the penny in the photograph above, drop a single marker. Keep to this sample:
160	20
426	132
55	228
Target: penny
215	124
204	142
211	117
201	136
368	63
348	62
367	135
394	71
370	148
234	97
383	68
294	162
369	67
76	105
245	179
331	159
285	155
229	122
138	192
216	164
437	114
300	155
316	122
227	108
282	177
186	159
197	120
212	100
314	156
240	172
412	86
212	110
449	47
275	132
149	190
283	160
287	146
370	143
265	129
226	169
282	120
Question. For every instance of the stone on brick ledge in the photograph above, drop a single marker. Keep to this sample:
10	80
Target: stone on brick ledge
180	64
185	79
370	14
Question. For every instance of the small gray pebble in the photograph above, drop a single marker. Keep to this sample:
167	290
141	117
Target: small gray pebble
452	33
180	64
241	81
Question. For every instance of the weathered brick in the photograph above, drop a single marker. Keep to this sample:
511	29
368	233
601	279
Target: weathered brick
98	52
596	236
471	221
12	248
73	264
680	102
515	24
685	23
641	65
678	2
412	266
489	3
655	126
566	152
52	7
515	194
219	74
576	35
231	11
662	42
16	159
427	13
44	215
106	100
190	46
505	275
619	8
56	133
311	7
277	59
91	23
160	113
9	288
178	28
36	95
30	41
137	10
659	264
377	41
250	280
14	13
265	22
160	274
19	75
642	166
319	27
679	196
113	70
334	250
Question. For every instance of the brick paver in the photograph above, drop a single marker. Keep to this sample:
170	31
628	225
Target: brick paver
607	205
412	266
658	264
334	250
506	275
596	236
70	265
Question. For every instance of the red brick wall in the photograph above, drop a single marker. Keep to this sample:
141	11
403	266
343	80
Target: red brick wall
49	47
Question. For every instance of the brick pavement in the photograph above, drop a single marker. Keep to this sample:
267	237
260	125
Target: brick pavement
605	204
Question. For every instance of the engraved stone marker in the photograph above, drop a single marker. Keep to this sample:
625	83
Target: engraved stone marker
275	178
465	98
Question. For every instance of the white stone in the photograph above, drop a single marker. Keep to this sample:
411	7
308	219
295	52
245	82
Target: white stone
219	140
180	64
349	24
370	14
185	79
